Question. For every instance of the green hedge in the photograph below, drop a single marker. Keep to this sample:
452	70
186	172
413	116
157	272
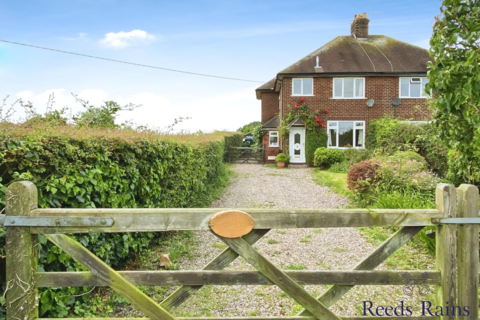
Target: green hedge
88	168
315	138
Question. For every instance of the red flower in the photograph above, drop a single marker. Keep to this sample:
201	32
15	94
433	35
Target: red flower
303	99
323	126
316	118
317	123
297	105
326	111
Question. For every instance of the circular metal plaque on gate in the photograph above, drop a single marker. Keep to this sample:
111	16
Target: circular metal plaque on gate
231	224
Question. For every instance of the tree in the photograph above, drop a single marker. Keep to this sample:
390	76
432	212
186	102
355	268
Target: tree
249	127
100	117
454	78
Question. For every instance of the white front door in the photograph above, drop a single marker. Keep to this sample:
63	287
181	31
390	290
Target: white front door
297	145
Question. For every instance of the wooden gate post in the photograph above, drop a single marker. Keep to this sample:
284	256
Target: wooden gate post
446	198
21	254
468	251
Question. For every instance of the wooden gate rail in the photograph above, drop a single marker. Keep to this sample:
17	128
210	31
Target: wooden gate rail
456	278
151	220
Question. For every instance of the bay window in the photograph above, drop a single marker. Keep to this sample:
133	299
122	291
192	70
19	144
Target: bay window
346	134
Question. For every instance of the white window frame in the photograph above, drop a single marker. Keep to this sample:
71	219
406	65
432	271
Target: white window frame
302	94
423	94
354	136
270	142
343	88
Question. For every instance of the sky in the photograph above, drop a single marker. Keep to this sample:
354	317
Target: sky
250	40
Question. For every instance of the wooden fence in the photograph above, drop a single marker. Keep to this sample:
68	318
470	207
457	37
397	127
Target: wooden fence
456	275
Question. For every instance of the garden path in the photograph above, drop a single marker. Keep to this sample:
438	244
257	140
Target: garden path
254	186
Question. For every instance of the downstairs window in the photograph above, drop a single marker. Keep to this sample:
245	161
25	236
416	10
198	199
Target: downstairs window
346	134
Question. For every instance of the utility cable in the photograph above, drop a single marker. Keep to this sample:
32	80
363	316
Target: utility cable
131	63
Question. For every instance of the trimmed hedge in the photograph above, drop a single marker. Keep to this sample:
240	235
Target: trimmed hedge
89	168
315	138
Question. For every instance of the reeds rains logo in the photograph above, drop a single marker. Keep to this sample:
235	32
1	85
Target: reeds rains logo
426	306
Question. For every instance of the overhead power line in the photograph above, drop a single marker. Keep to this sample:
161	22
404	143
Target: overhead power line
131	63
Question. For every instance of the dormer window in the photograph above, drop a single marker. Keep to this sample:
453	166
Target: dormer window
302	87
413	87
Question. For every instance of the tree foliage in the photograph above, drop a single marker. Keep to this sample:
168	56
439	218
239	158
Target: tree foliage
249	127
454	78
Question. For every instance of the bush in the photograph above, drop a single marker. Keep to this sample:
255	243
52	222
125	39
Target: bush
402	157
282	157
405	174
325	157
103	168
363	177
390	135
315	138
430	147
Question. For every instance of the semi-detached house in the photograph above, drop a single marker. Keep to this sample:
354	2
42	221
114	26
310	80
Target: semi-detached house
357	78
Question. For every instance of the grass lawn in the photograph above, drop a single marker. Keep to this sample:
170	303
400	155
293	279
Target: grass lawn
336	181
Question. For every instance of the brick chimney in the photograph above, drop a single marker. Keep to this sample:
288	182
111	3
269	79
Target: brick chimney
359	26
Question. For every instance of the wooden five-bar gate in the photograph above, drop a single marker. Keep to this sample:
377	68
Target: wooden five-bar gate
456	275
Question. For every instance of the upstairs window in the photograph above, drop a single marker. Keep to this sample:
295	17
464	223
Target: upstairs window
348	88
302	87
273	139
413	87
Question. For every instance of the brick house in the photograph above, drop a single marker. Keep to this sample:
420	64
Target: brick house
357	78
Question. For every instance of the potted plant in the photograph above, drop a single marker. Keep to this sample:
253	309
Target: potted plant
281	159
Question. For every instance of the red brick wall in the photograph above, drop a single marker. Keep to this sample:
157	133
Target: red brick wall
270	105
382	89
269	151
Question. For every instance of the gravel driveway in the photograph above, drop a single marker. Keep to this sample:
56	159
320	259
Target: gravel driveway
255	186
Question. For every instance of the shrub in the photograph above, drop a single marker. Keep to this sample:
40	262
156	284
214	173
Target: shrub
390	135
325	157
402	157
430	147
315	138
104	168
363	176
282	157
404	174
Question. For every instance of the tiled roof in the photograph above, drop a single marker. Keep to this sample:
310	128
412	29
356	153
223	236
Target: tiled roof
377	53
272	123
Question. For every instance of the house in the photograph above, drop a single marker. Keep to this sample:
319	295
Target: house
349	81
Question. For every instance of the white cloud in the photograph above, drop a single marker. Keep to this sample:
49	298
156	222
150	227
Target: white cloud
124	39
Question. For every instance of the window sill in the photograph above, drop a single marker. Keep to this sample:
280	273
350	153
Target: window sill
302	95
273	146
